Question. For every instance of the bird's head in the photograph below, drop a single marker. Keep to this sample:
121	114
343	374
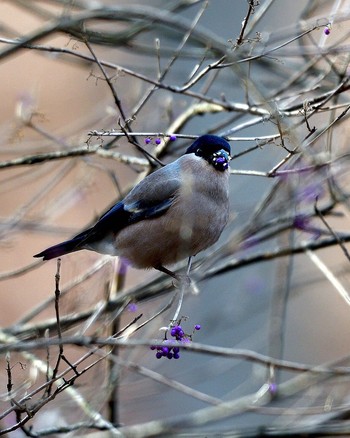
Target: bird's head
216	150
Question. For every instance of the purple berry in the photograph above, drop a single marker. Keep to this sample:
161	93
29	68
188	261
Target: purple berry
176	356
158	141
273	388
172	137
327	31
147	140
197	327
132	307
159	355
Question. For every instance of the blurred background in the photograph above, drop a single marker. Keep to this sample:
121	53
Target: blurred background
270	76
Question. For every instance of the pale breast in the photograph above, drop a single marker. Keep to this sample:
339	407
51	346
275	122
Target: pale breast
193	222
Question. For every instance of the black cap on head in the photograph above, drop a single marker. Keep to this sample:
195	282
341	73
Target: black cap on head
215	150
207	145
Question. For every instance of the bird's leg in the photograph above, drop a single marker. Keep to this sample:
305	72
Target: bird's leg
192	283
163	269
189	264
182	279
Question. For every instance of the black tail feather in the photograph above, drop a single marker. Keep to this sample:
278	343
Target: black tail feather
60	249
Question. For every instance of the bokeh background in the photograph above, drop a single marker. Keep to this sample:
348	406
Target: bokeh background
280	95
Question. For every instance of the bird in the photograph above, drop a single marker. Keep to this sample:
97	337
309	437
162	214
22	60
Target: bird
174	213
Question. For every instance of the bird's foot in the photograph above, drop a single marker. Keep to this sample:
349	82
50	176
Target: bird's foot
181	281
185	283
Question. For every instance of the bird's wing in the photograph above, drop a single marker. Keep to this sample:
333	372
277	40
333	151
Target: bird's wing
150	198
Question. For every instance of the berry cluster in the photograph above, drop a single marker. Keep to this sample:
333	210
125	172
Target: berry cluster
166	350
169	348
158	140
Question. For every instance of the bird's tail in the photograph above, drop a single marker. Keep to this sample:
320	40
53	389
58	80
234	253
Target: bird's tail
60	249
